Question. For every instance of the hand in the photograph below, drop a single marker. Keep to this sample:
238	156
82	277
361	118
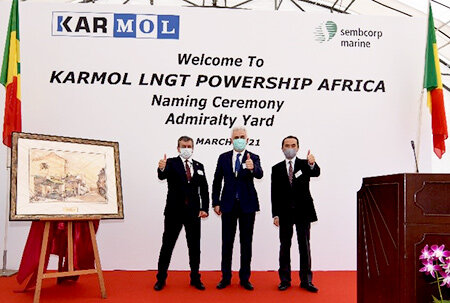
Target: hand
217	210
202	214
162	163
249	162
276	221
310	157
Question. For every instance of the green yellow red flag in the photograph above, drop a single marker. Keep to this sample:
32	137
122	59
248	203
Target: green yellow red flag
10	77
435	94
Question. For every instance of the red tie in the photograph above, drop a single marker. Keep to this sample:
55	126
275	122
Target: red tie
188	171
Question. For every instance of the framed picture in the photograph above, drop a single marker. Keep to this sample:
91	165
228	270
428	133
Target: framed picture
62	177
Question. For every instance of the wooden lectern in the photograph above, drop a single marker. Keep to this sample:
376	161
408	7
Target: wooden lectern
397	216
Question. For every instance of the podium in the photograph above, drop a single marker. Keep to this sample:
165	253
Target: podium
397	216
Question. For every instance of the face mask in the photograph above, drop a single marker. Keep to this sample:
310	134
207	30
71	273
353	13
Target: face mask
239	144
186	153
289	153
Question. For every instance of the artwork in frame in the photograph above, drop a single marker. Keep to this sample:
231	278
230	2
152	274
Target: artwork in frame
53	176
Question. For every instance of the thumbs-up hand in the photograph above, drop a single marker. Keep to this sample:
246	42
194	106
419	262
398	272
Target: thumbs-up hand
162	163
311	158
249	162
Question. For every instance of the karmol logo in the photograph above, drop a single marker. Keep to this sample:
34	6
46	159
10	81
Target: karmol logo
325	31
115	25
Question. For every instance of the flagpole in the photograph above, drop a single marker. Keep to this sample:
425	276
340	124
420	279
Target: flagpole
419	126
7	272
10	79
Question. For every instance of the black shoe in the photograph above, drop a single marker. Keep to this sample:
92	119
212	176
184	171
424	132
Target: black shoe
309	287
222	284
159	285
247	285
198	284
284	285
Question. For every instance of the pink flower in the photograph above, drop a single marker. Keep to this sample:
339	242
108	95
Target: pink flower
446	266
445	279
429	268
426	253
439	252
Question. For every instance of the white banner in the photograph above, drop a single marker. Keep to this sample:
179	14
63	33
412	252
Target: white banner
348	86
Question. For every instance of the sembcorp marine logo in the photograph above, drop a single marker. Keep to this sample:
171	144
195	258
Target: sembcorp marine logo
325	31
113	25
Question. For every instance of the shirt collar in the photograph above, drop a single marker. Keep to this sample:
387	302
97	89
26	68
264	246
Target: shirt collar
287	161
184	160
235	153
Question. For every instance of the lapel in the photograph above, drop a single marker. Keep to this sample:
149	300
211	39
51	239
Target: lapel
195	167
284	173
180	168
229	161
298	165
244	157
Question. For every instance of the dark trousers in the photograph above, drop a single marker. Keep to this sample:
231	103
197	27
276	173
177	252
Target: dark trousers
172	228
287	223
229	223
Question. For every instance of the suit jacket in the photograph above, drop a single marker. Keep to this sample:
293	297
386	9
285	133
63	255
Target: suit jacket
297	198
179	189
242	184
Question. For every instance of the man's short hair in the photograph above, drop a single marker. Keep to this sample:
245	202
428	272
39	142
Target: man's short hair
289	137
236	128
185	139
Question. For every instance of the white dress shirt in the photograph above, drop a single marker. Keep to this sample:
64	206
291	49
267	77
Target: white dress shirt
293	164
233	160
190	163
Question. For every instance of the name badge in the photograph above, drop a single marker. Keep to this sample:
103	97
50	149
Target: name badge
244	166
298	174
200	172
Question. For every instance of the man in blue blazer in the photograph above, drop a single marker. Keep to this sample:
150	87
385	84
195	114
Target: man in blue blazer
236	201
187	202
292	204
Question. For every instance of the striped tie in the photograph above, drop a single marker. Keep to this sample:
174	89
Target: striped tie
291	172
188	171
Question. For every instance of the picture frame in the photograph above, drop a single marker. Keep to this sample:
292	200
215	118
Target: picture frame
63	177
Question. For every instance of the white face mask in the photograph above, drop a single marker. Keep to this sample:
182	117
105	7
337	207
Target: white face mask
186	153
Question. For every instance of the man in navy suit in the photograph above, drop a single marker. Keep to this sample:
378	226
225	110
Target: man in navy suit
236	201
187	202
292	204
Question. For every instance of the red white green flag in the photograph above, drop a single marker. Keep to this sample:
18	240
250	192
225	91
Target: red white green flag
435	94
10	77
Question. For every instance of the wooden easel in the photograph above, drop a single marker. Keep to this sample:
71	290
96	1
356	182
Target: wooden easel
70	272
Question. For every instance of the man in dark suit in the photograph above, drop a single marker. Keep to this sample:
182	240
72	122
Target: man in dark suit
237	201
292	204
187	202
